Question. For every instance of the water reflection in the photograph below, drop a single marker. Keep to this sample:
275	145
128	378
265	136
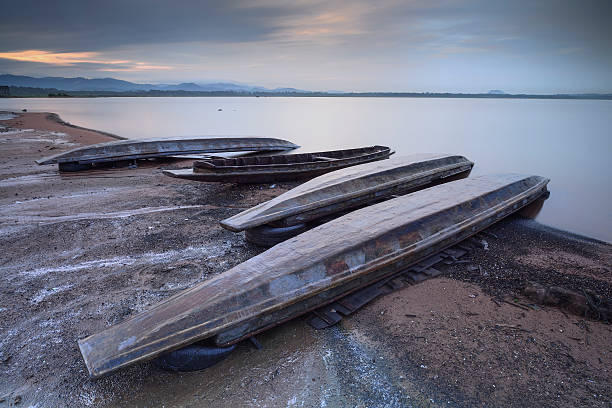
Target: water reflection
567	141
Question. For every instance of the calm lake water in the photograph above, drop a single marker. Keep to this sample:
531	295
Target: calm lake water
568	141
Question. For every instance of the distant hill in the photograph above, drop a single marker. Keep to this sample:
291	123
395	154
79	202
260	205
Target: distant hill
117	85
58	87
72	84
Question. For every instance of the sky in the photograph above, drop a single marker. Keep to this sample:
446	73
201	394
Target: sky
518	46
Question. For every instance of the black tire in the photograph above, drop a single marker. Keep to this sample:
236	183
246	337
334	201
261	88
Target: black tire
267	236
193	357
73	166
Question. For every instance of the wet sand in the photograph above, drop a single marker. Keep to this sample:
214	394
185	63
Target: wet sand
83	251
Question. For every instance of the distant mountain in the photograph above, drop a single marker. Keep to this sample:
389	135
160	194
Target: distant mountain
211	87
73	84
25	86
287	90
185	86
117	85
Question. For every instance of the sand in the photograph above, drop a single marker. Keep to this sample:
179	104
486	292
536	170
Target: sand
86	250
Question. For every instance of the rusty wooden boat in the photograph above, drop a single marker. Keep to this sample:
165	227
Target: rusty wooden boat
332	195
313	269
282	167
85	157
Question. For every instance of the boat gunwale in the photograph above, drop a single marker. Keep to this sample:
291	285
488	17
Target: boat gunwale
324	284
284	213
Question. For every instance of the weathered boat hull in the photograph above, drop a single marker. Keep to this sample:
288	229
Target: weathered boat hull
148	148
270	169
313	269
351	188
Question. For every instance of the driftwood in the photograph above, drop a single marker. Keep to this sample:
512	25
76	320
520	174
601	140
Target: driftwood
586	304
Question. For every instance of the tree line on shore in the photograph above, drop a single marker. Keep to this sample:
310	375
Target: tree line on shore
29	92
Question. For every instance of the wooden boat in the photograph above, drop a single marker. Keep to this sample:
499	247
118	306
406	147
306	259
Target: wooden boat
313	269
333	194
83	157
284	167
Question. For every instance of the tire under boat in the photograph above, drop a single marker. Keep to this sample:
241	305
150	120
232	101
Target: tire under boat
313	269
284	167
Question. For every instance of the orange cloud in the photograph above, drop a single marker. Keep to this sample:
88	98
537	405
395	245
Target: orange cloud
58	58
328	26
71	58
137	66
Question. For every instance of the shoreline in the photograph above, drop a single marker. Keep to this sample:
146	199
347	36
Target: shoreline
53	122
56	118
84	251
314	94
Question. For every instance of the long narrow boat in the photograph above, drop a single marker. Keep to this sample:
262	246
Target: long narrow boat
331	195
80	158
284	167
313	269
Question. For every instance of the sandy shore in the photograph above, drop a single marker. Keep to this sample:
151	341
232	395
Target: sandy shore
84	251
45	121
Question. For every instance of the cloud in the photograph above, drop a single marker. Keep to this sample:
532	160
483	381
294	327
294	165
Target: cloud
68	59
136	67
57	58
388	44
82	26
76	25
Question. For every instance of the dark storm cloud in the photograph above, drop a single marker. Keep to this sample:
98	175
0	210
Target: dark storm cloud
75	25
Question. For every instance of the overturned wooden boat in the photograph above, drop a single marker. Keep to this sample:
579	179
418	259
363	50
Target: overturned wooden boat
332	195
282	167
313	269
84	157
